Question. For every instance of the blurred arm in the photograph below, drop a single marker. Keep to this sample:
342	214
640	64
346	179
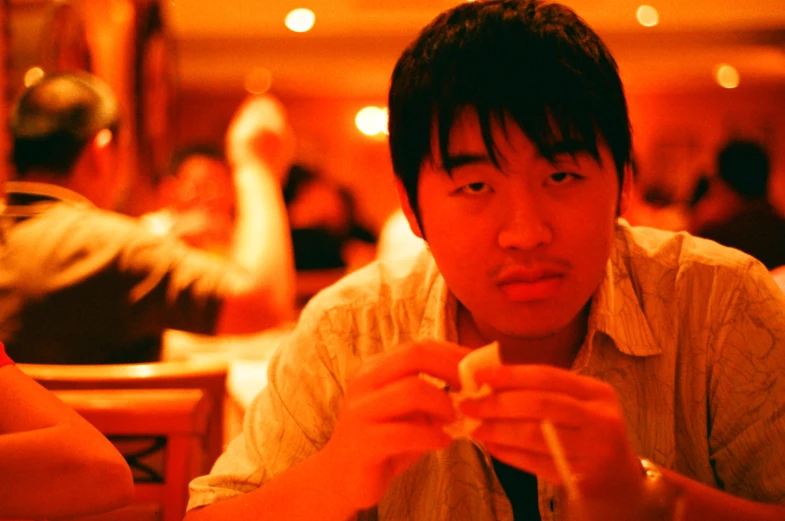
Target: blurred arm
55	464
260	148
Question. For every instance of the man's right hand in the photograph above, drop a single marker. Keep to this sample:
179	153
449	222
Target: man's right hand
391	417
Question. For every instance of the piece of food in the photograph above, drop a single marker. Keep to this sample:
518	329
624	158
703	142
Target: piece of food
480	358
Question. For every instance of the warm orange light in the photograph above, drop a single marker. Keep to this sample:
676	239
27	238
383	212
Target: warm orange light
258	81
300	20
727	76
372	121
648	16
32	75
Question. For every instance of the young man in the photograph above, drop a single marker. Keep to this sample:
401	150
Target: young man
511	145
82	284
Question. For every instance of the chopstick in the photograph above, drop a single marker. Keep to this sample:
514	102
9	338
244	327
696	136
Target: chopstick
555	446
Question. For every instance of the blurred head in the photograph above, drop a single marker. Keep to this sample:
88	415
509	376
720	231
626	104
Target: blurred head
65	121
315	202
199	178
521	62
744	167
55	119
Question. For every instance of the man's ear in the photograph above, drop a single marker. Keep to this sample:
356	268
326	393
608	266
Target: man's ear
625	191
406	206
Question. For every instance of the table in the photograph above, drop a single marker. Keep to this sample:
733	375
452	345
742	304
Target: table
247	357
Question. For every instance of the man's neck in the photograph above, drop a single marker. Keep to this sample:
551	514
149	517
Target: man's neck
558	349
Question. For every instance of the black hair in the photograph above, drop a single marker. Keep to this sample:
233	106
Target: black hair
56	117
299	175
538	64
744	166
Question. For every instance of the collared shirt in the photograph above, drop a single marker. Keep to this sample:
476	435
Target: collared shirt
690	334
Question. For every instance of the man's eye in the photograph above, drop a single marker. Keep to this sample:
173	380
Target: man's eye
561	178
475	188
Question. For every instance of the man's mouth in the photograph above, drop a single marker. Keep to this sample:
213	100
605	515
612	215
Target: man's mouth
529	285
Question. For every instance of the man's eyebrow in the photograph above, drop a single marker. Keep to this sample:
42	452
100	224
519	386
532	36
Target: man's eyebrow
458	160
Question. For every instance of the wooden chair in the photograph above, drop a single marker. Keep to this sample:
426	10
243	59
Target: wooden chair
174	422
207	375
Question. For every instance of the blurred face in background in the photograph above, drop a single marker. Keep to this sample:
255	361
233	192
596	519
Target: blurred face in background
202	199
204	183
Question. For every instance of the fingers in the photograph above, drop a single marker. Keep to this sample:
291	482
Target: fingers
561	409
544	378
409	397
402	438
439	359
528	437
534	463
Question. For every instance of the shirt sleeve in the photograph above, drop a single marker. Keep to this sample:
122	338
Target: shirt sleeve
4	359
104	273
747	392
291	418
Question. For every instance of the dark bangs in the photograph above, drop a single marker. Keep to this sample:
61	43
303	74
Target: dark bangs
536	66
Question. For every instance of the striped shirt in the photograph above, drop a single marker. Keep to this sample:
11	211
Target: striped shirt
690	334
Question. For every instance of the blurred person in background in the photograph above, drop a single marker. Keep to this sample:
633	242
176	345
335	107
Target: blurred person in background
54	463
651	204
197	200
325	231
736	211
396	239
80	283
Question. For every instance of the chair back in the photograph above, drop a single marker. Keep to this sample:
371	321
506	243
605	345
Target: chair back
207	375
161	433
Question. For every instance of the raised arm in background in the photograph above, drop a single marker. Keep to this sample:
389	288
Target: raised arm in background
260	148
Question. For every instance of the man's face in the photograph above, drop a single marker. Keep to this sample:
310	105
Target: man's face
523	247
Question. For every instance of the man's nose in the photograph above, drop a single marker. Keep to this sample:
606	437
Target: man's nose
525	225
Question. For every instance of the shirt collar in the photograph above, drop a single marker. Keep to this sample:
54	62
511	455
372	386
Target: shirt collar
616	306
23	196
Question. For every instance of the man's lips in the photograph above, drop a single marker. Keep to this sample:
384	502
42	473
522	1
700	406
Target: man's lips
528	285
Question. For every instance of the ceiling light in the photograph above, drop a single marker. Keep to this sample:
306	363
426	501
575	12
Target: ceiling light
372	121
258	81
300	20
727	76
648	16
